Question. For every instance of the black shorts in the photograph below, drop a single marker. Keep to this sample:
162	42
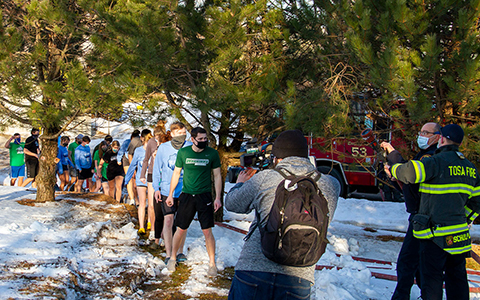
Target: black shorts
125	161
189	204
150	177
111	175
169	210
72	171
85	174
32	168
104	179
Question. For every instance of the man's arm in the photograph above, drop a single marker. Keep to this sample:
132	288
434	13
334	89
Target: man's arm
148	153
173	184
7	144
240	197
28	152
217	177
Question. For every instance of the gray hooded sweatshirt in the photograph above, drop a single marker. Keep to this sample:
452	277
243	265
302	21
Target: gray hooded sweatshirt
258	193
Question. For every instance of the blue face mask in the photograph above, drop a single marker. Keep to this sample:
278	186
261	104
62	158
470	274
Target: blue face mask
17	141
115	150
422	142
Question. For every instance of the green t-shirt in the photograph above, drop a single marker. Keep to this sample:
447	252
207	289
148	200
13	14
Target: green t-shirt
72	148
197	169
96	157
17	158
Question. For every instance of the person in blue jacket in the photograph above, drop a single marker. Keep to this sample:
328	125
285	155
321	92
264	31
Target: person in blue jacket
83	163
162	174
136	165
64	162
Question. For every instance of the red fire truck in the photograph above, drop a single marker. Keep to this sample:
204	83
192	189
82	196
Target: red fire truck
353	161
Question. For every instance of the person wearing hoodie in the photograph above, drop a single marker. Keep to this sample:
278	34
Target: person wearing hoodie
256	276
83	163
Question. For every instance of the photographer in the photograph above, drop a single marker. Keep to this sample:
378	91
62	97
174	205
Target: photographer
257	277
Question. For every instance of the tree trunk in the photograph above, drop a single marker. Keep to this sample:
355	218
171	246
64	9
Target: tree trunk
46	177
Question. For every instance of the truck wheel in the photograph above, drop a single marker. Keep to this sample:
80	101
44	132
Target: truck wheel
337	175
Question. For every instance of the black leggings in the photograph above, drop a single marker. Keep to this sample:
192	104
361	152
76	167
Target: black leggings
158	226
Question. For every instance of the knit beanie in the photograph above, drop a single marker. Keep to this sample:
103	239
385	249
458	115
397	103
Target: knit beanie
290	143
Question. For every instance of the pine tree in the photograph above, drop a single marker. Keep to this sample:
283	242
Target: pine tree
45	77
423	54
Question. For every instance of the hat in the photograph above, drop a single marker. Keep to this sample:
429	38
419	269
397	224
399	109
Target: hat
80	136
290	143
453	132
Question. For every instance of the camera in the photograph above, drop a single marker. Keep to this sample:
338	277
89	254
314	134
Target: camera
256	156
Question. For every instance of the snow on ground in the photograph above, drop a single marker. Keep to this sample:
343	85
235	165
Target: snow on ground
80	248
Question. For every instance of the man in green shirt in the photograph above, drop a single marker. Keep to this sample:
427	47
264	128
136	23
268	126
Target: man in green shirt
17	162
197	161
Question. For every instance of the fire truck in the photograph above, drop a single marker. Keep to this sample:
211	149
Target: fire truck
353	161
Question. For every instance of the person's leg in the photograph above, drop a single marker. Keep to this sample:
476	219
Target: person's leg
456	282
407	265
91	186
30	174
151	209
168	234
118	188
13	175
295	287
131	194
432	265
106	188
21	175
210	244
249	285
62	180
179	235
111	188
142	199
158	225
78	185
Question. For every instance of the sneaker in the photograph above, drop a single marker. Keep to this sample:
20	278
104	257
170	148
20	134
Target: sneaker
212	271
162	243
171	265
141	231
131	202
154	246
151	236
149	225
167	260
181	257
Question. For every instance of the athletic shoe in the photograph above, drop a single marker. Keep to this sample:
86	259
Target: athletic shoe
151	236
171	265
212	271
149	225
131	202
154	246
181	257
162	243
167	260
141	231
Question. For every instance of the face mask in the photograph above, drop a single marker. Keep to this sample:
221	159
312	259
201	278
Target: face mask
17	141
35	135
422	142
115	150
178	141
202	145
65	144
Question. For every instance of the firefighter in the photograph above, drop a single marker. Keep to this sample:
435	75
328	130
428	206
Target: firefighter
450	201
408	258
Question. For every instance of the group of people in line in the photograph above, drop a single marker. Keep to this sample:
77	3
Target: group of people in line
165	175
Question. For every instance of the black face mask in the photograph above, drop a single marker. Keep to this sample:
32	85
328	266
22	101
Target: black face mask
65	144
178	141
202	145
